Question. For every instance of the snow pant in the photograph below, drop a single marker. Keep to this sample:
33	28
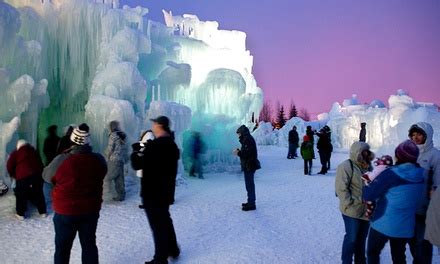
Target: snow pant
66	227
161	224
308	167
29	189
292	151
325	161
250	186
115	177
196	167
356	231
377	241
421	249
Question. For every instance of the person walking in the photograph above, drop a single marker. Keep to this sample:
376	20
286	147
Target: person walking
396	192
25	166
249	164
196	149
51	144
363	132
325	148
429	159
77	176
159	166
117	155
348	185
293	143
307	153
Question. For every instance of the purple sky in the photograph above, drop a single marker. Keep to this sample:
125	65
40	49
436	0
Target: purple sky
318	52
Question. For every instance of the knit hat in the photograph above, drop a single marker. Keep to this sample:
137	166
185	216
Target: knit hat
21	143
407	151
306	138
80	135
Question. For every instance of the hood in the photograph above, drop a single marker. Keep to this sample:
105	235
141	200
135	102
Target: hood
409	172
356	150
243	130
429	131
114	126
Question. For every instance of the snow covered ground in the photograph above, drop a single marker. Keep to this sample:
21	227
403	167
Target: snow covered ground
297	221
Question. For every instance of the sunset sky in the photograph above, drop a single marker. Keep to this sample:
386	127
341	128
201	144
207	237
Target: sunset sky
319	52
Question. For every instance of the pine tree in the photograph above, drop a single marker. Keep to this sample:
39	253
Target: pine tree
293	112
281	118
266	113
304	114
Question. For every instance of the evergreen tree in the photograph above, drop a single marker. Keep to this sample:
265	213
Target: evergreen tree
293	112
266	113
304	114
281	118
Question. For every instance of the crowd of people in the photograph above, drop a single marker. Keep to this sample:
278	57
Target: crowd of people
394	201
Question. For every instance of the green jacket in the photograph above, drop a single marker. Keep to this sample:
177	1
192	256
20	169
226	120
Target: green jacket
307	151
348	183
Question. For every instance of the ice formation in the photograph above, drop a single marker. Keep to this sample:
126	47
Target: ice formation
65	62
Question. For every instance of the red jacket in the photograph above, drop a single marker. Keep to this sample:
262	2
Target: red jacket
78	183
24	162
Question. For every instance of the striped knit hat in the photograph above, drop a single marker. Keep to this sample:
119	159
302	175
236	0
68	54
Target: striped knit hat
80	135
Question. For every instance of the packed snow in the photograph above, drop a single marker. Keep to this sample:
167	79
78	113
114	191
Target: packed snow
297	221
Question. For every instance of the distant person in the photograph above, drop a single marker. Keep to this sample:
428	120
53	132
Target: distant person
25	166
138	149
117	155
363	133
158	184
197	148
325	148
348	185
311	134
249	164
77	175
293	143
397	194
429	159
432	233
65	142
307	153
51	144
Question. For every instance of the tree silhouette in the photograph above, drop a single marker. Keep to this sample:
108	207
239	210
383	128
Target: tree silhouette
304	114
266	113
293	112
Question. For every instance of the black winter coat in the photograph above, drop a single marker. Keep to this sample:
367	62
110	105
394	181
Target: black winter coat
324	144
294	138
159	168
248	152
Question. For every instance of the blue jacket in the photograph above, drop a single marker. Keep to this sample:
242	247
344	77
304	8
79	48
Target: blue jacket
397	193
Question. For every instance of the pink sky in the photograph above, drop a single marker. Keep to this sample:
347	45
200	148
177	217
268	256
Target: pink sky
316	52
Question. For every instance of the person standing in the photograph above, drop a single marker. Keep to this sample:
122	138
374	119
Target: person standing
396	192
363	133
429	159
25	166
117	155
325	148
348	185
293	143
138	149
249	164
77	176
197	148
307	153
51	144
65	142
159	166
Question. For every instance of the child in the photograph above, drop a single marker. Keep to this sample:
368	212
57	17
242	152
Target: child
138	149
380	164
307	154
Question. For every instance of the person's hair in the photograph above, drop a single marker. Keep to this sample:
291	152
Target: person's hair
84	127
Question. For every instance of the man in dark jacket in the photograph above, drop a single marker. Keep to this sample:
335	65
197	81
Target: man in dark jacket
51	144
363	133
293	143
325	148
77	175
159	167
249	164
25	166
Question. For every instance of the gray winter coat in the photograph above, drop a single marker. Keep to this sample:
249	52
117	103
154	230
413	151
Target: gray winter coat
432	232
429	159
349	184
116	149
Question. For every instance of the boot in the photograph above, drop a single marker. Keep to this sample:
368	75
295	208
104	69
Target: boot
249	207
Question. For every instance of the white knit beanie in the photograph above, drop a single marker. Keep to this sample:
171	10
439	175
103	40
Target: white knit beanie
80	137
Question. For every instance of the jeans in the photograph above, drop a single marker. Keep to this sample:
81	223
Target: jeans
308	167
66	227
325	161
29	189
377	241
421	249
162	227
250	186
356	231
